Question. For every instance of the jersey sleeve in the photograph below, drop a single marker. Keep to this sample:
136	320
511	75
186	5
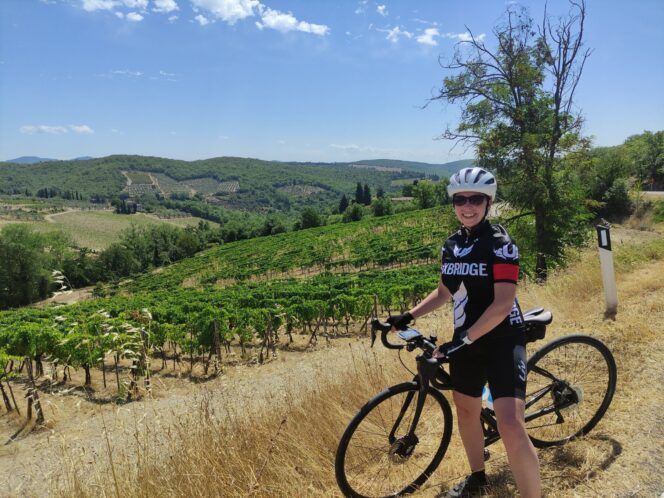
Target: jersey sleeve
505	261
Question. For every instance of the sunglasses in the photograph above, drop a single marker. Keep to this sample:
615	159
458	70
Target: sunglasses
475	200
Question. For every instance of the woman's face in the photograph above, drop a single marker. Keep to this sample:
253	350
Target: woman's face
470	214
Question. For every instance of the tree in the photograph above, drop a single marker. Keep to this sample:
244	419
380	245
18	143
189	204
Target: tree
366	195
359	193
647	154
310	218
382	206
355	212
518	111
343	204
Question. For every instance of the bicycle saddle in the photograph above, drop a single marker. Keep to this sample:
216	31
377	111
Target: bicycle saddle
538	315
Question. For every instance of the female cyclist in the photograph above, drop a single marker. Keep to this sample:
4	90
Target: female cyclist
479	271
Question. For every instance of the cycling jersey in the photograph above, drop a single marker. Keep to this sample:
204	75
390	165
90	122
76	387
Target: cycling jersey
471	263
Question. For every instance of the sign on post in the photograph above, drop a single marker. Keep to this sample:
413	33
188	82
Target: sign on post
608	274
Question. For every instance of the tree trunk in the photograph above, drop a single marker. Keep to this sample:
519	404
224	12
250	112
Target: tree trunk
88	377
216	343
34	396
541	242
5	398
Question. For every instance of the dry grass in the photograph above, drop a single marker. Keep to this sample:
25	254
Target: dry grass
282	442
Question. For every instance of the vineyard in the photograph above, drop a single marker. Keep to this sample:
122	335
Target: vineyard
249	295
369	244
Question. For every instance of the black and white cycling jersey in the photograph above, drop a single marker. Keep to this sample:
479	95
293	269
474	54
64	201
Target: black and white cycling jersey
471	263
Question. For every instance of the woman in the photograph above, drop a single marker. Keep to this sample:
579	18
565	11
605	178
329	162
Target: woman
480	267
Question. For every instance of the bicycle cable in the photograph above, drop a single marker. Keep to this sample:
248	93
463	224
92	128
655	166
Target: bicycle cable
402	363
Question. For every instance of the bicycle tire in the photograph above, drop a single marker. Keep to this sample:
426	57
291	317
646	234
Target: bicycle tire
378	409
585	380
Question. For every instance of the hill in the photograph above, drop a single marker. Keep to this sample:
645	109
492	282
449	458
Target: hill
273	430
442	170
29	160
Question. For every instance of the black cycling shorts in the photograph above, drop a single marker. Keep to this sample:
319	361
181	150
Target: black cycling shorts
498	358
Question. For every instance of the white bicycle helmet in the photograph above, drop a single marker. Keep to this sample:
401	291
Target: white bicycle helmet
473	180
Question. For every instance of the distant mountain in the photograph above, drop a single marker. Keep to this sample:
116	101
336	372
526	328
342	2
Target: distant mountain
29	160
445	169
82	158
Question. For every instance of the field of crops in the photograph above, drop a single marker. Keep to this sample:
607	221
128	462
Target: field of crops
138	177
374	242
300	190
205	186
98	229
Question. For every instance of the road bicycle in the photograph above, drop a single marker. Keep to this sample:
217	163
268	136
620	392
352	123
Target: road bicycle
399	437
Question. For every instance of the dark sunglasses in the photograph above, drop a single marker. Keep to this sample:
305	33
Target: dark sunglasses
475	200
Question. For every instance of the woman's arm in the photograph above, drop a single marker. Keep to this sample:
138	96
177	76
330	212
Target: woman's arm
503	300
434	300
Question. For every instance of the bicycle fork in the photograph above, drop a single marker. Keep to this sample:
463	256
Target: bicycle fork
404	446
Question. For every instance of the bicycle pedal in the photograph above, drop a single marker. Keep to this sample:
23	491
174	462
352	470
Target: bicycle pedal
487	455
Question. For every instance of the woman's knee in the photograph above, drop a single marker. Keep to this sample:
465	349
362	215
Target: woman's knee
512	428
467	407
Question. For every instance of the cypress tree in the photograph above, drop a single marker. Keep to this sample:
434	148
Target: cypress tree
343	204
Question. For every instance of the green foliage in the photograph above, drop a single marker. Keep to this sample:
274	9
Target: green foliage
517	101
354	212
27	260
382	206
646	151
310	218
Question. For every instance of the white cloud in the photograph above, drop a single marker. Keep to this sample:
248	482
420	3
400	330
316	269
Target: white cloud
229	11
55	130
202	20
281	142
172	19
92	5
81	129
395	33
427	38
119	15
165	6
136	4
464	37
382	10
50	130
224	137
126	72
361	7
285	22
134	17
164	73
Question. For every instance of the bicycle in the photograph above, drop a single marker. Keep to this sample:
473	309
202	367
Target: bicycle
396	441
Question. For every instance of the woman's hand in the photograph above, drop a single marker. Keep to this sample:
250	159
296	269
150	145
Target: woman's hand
400	322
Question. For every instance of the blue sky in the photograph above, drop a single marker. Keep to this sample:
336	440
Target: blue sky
283	79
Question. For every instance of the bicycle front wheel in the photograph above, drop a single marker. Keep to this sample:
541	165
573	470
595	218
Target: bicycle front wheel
571	382
377	457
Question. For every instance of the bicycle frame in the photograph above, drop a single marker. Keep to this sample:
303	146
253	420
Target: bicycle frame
429	372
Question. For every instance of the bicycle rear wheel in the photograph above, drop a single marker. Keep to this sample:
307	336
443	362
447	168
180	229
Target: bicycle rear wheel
571	382
376	459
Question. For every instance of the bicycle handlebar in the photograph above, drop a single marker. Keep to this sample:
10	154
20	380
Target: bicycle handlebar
384	329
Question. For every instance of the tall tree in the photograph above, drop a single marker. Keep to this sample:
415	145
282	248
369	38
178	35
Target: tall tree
343	204
518	111
359	193
366	195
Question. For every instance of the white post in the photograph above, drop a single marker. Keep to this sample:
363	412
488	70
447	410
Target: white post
608	275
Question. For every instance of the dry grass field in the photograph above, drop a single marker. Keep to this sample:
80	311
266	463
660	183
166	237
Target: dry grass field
273	430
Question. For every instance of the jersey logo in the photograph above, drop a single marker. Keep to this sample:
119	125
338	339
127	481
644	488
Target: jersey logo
460	300
460	252
508	252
